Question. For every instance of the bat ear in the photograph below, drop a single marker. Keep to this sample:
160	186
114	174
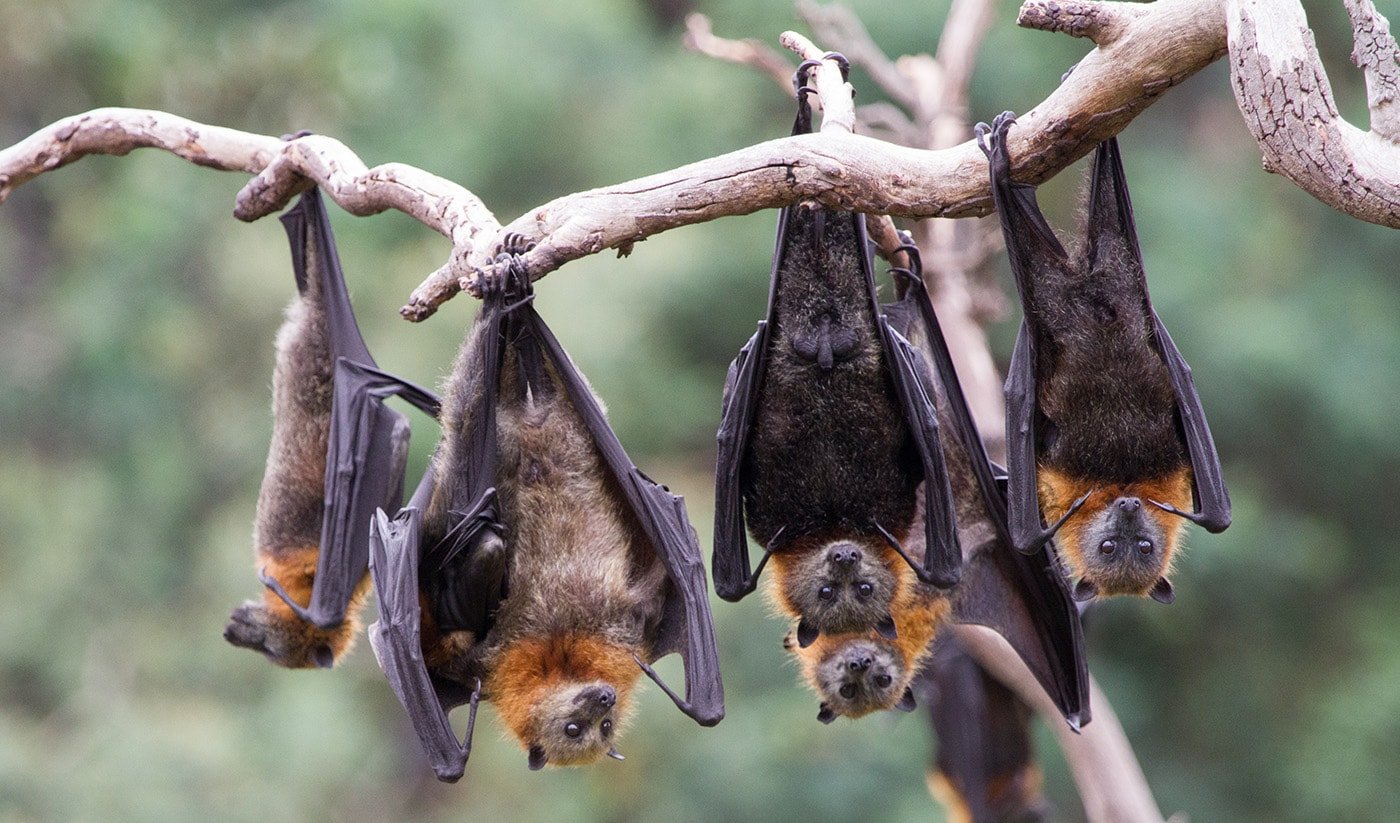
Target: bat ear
825	714
806	633
537	758
323	656
906	701
1084	590
1162	591
886	628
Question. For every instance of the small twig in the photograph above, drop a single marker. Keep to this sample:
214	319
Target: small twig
840	28
836	95
1101	21
700	37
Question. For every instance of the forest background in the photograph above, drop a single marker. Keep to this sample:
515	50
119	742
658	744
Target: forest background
136	320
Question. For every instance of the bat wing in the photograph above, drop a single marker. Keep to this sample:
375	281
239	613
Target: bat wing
1113	236
368	443
405	569
398	646
1021	597
734	578
686	622
1034	252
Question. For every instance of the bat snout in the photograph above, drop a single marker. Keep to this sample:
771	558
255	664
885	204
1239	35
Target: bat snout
844	555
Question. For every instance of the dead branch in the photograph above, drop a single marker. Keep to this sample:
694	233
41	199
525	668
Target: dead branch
700	37
1286	99
1156	48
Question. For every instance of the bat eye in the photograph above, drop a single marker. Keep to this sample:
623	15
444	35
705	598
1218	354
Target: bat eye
606	727
826	593
1107	546
573	730
883	680
864	590
1145	546
848	691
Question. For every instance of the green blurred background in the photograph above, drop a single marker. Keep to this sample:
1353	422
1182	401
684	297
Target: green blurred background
136	319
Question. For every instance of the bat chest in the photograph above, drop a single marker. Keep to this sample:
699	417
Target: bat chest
830	448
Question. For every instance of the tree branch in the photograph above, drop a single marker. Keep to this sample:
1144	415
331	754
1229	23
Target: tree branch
1111	784
1286	99
1160	47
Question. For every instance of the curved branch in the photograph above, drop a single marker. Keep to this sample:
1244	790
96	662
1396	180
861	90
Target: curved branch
1156	49
1286	99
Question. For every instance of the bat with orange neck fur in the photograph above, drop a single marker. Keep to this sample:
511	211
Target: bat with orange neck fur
829	440
1106	438
536	567
1022	597
337	454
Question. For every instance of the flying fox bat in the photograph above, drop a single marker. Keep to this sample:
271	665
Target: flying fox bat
829	438
984	769
1022	597
1106	438
337	454
535	567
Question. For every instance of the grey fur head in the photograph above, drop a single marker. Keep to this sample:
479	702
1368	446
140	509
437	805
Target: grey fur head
859	677
843	587
575	724
1124	551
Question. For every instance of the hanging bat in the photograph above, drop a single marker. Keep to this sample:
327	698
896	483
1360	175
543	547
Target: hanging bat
984	768
1022	597
337	454
1106	438
829	438
536	567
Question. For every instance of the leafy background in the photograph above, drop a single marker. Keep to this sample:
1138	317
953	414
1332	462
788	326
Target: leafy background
136	319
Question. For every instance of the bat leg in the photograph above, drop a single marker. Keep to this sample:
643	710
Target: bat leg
919	570
681	702
1203	519
748	584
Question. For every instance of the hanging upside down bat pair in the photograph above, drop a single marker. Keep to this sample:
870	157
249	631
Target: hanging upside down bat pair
534	566
847	447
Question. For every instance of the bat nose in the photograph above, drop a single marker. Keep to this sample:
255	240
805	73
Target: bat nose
607	696
1127	504
846	556
860	664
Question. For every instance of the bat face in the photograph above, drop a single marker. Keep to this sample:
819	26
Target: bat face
574	724
286	639
1120	541
838	587
860	675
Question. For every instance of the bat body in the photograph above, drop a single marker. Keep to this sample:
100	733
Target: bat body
536	567
984	769
1022	598
337	453
1106	437
829	440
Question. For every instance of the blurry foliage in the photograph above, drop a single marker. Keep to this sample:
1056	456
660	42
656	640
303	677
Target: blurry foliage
136	319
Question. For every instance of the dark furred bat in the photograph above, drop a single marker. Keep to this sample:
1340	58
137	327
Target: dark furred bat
1022	597
1106	437
984	768
337	454
828	438
535	567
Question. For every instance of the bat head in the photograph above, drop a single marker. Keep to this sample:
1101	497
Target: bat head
1119	542
840	587
286	639
574	723
860	675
